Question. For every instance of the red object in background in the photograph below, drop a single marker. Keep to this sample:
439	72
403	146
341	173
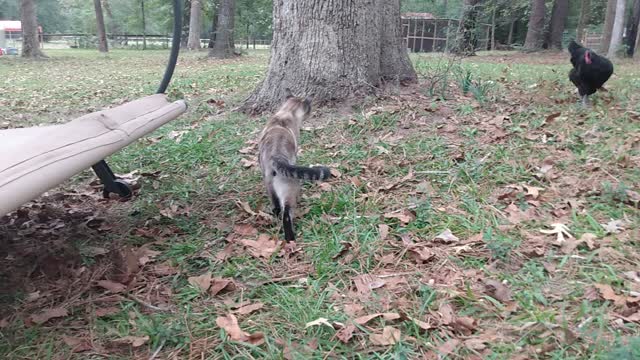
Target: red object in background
11	26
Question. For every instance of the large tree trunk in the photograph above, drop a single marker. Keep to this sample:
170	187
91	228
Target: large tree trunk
466	37
103	46
194	25
559	15
512	27
583	21
144	26
30	40
493	27
113	26
333	51
618	26
632	33
608	26
186	20
224	46
535	32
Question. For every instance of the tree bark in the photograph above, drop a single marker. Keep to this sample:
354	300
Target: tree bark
618	26
466	39
493	27
144	26
224	45
186	20
559	15
30	39
608	26
632	34
103	46
194	26
583	21
214	25
113	26
512	28
535	31
332	50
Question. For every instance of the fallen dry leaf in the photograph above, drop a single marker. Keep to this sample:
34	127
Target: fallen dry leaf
365	283
421	254
475	344
614	226
318	322
112	310
446	314
346	333
448	347
230	324
146	255
383	231
353	309
264	247
447	237
516	216
49	314
404	216
248	309
386	316
245	230
632	275
607	293
246	163
219	285
112	286
135	341
76	344
389	336
533	191
202	282
465	325
498	290
560	230
421	324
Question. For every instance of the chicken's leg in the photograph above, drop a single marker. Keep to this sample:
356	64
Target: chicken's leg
585	101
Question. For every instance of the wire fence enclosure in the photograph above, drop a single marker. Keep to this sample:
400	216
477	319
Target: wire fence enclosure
438	35
123	41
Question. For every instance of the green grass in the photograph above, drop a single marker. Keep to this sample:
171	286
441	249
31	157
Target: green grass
459	168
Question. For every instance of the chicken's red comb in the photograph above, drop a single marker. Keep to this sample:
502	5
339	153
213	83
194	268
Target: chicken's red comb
587	57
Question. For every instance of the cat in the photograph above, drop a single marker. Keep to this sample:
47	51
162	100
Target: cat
278	149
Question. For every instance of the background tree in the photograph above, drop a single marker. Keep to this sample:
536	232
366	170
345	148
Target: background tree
535	30
194	25
466	35
607	30
30	39
103	46
583	21
144	25
113	26
632	32
616	32
186	20
224	44
332	52
559	14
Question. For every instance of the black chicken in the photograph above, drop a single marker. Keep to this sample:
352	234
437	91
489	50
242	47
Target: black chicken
590	70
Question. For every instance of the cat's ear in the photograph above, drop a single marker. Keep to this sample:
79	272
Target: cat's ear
287	94
308	100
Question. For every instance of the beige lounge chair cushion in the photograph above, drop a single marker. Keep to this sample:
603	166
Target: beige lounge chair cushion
34	160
